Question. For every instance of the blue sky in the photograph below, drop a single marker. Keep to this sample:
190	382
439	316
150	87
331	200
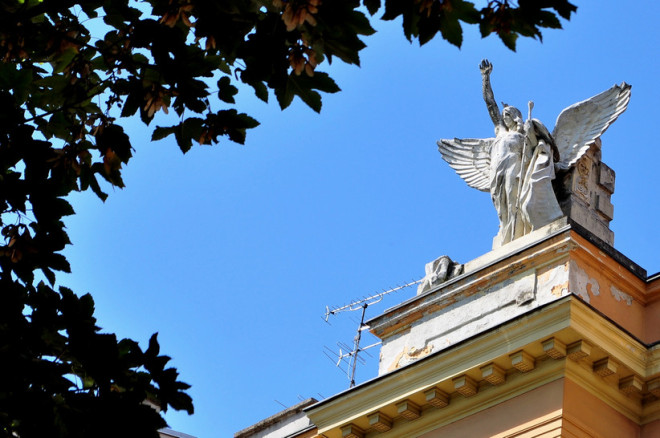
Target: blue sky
232	252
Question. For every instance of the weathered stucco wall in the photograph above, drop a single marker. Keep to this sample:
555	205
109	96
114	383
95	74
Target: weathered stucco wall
499	287
456	316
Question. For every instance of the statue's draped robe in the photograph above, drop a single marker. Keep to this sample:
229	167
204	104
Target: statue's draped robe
538	201
522	206
505	174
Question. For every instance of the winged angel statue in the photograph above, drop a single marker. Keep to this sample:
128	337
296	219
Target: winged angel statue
518	165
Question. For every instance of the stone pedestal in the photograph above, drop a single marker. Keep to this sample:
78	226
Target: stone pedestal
584	194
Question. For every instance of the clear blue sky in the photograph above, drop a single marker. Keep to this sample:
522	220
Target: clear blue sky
232	252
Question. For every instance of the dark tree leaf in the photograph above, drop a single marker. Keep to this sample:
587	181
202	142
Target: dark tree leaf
226	91
260	90
509	40
162	132
304	87
372	6
451	29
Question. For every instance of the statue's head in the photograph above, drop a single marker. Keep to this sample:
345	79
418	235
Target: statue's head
512	118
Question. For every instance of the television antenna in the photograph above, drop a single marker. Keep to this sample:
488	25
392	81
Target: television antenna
351	356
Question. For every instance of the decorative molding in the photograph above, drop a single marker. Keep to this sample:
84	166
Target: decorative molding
578	350
484	272
556	331
351	431
605	367
654	387
437	397
601	388
609	337
522	361
493	374
554	348
631	385
653	367
408	410
593	256
465	385
380	422
440	367
463	407
653	290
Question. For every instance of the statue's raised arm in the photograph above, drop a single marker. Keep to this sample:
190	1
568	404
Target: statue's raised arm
518	165
493	110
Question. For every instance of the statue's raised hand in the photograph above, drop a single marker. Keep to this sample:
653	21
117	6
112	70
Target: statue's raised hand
486	67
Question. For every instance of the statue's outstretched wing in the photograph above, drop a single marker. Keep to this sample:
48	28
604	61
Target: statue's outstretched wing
470	158
579	125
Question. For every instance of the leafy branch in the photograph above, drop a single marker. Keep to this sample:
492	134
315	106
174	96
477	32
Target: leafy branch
63	377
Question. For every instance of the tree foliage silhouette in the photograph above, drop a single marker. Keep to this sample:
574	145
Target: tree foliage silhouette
70	73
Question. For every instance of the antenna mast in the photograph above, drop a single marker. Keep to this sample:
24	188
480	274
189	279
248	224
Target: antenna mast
352	356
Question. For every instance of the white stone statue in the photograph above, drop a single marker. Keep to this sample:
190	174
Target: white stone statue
518	165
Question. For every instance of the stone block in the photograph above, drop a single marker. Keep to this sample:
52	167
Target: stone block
654	387
436	397
554	348
631	385
493	374
351	431
578	350
465	385
604	206
380	422
605	367
606	178
408	410
522	361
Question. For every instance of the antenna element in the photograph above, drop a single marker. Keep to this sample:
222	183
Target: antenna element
352	357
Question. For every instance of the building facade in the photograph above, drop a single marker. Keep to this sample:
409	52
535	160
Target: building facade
552	335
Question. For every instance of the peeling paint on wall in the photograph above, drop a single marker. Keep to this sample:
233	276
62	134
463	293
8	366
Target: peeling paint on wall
559	289
593	288
621	296
443	326
581	284
397	359
414	352
554	281
409	355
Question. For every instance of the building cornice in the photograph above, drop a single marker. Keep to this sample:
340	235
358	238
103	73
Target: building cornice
564	339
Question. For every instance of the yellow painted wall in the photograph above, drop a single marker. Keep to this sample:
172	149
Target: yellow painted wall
530	414
558	409
587	416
